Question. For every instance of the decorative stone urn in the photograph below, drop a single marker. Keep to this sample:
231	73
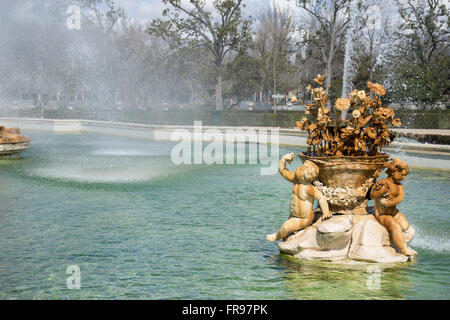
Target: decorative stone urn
346	180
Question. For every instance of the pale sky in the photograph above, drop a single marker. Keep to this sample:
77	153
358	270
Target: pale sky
146	10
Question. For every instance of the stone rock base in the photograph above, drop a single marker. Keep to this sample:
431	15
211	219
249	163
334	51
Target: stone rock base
355	237
12	150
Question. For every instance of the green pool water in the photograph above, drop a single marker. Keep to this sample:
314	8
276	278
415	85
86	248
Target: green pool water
140	227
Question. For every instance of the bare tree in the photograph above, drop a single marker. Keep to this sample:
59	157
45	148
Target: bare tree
419	69
429	22
220	31
371	48
274	44
331	18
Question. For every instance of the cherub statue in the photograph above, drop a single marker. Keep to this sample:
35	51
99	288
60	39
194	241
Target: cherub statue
302	199
388	193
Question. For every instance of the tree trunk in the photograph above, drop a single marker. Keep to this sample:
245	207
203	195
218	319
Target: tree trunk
328	71
274	86
219	101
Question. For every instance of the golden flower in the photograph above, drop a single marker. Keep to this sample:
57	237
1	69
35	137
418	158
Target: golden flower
353	94
397	122
361	95
326	111
371	132
303	123
356	114
308	88
326	136
312	127
384	113
376	102
342	104
362	109
319	79
318	91
376	88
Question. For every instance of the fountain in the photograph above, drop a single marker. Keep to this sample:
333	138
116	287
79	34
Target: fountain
343	161
349	48
12	143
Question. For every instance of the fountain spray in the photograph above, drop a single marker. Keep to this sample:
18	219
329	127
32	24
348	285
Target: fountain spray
349	48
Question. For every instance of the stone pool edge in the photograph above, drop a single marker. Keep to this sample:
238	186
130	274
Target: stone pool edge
287	137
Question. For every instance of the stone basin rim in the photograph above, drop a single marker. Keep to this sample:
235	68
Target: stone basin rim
380	156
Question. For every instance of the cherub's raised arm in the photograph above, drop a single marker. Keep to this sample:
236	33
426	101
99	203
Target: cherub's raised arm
288	175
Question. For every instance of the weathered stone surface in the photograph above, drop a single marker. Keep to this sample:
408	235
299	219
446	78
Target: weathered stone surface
11	150
361	238
327	255
304	239
372	233
382	254
334	233
340	223
12	142
11	135
370	242
334	240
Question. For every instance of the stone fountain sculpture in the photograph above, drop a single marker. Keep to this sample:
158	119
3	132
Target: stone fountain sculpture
340	169
12	142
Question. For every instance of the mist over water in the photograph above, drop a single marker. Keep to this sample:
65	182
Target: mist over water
54	69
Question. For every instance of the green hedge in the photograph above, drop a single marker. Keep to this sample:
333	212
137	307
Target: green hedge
425	119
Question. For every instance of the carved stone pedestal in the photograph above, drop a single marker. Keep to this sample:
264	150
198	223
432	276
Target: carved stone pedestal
355	237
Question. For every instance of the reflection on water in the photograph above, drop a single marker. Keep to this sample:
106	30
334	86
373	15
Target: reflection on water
334	280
